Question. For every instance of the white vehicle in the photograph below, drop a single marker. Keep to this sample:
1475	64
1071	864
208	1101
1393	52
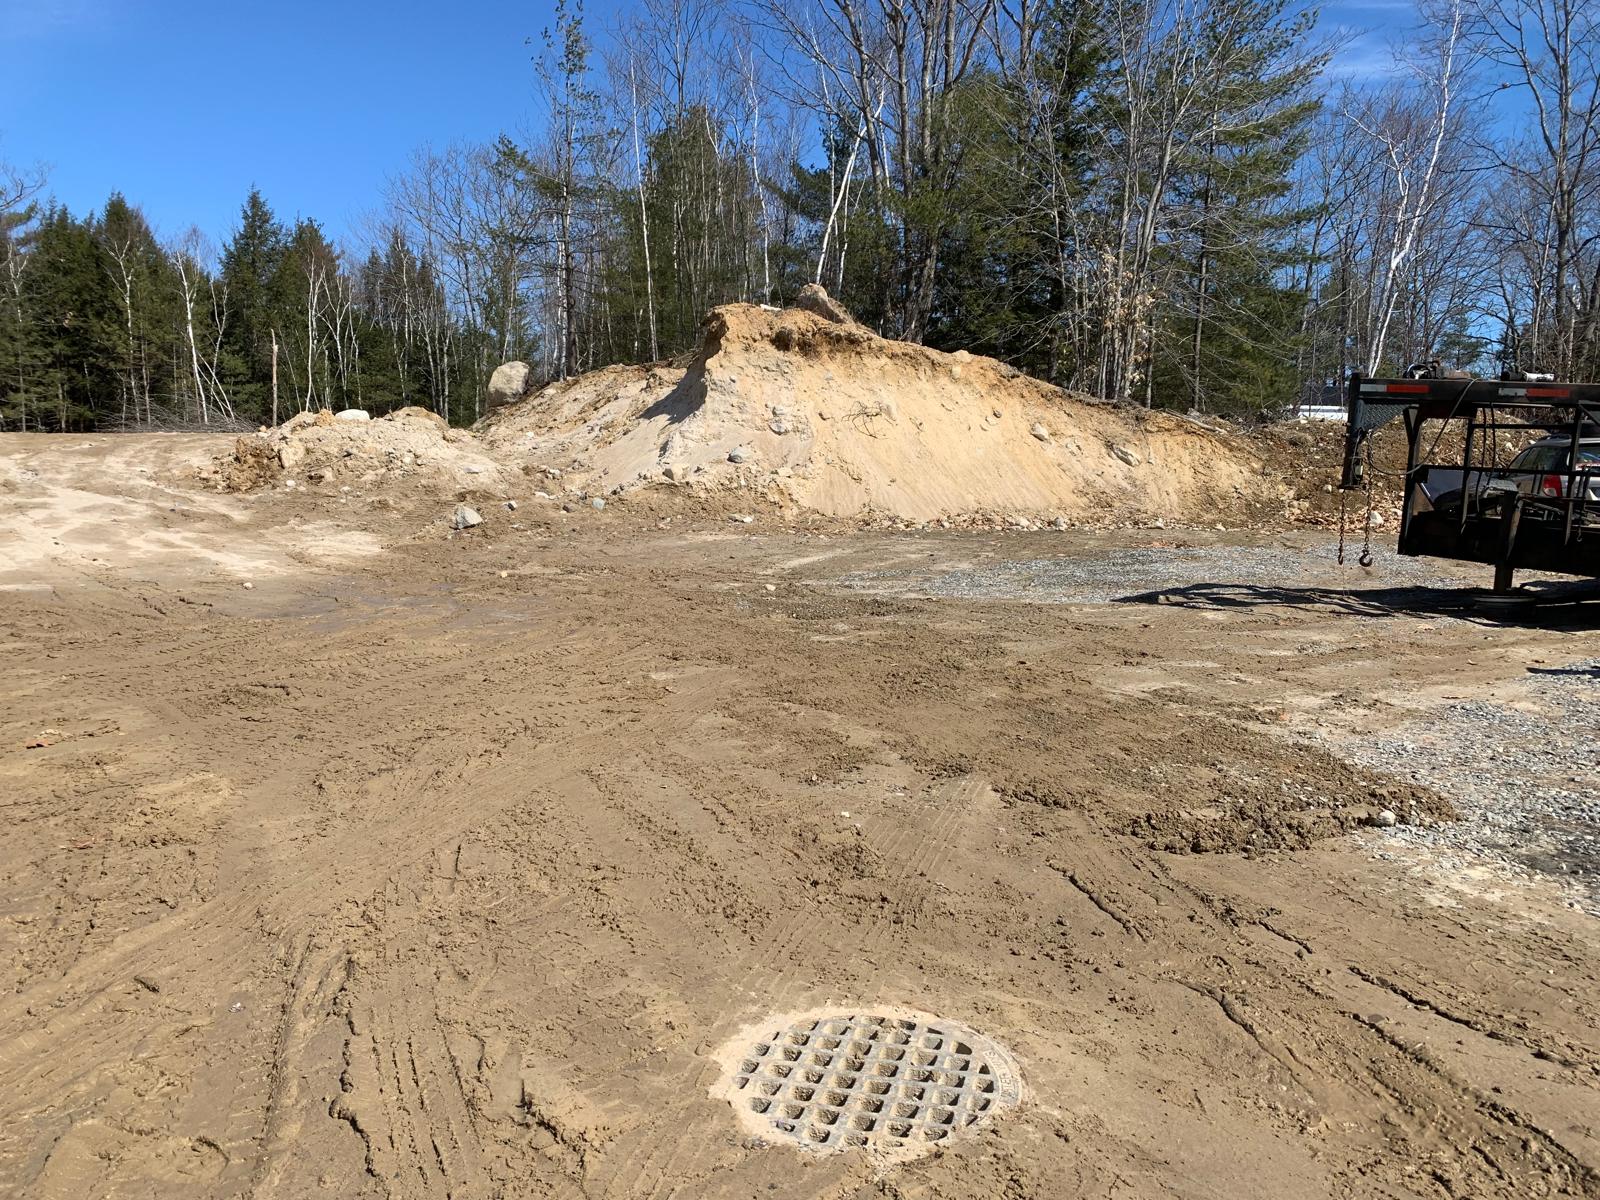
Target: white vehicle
1543	470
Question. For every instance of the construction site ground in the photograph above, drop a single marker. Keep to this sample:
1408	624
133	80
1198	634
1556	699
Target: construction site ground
441	863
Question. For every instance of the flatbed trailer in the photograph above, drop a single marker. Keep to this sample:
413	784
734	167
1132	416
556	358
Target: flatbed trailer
1476	509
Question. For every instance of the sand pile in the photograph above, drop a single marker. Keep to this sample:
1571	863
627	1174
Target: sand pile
319	448
815	411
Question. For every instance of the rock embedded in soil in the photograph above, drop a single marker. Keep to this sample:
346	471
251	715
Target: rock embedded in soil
465	517
508	383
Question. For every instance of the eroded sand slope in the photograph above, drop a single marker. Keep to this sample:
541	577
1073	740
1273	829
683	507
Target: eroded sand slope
827	416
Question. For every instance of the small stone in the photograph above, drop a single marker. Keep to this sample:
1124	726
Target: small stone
464	517
473	470
672	472
1386	818
248	586
739	454
512	505
779	427
597	503
771	587
353	414
1039	431
741	518
1126	455
1059	523
505	574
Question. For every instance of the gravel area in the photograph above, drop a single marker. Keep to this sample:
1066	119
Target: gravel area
1211	575
1526	779
1527	783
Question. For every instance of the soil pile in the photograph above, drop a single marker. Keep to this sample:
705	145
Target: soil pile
806	408
411	445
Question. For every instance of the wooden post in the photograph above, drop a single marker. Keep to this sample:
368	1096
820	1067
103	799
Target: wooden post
274	378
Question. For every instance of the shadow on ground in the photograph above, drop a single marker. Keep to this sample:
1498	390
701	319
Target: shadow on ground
1557	606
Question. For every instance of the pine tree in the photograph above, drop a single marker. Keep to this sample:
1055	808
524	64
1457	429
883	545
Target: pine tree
1235	313
142	287
69	323
251	262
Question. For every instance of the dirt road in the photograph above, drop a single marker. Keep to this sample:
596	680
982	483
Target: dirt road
440	865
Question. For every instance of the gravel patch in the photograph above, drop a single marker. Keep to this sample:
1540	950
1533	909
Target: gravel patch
1211	575
1526	783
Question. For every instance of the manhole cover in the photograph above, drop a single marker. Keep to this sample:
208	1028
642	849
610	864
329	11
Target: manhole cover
898	1084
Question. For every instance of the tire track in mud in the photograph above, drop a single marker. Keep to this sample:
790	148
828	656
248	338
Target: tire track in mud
230	932
918	849
400	756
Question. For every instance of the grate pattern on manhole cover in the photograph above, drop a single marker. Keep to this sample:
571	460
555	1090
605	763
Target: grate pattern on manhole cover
897	1084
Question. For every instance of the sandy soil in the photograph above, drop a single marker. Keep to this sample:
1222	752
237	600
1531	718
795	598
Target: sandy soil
441	865
829	418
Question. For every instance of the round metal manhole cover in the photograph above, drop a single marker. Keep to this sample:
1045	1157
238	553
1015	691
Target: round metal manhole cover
898	1084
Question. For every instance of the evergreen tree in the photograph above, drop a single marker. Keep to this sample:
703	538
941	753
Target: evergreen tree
1228	341
251	264
68	327
142	288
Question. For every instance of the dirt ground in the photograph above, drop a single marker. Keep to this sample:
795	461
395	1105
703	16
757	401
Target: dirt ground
443	864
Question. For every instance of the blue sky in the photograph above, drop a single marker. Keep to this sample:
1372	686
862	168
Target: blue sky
183	105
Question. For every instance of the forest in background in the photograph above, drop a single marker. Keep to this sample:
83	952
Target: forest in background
1181	203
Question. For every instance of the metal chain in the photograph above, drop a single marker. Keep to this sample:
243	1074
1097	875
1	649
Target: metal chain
1344	500
1366	534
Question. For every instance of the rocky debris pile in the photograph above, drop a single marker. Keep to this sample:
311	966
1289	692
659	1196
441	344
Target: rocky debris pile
806	409
350	450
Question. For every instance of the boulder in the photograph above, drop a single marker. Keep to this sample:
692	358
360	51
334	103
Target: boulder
413	412
814	298
508	383
353	414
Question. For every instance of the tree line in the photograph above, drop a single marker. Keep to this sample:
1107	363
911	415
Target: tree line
1183	203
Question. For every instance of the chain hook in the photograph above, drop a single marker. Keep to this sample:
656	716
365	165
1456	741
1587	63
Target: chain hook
1366	534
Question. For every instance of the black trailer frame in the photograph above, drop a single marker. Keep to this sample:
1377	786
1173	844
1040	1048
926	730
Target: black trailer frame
1507	527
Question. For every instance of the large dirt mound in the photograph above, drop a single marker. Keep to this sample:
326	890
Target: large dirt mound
411	445
822	413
